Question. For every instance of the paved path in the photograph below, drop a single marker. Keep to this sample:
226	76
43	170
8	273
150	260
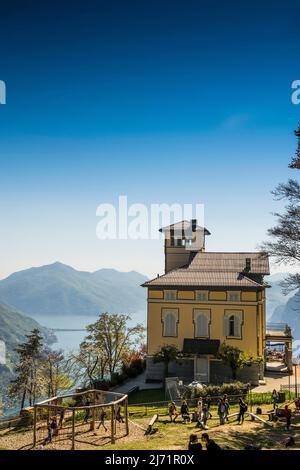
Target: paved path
273	381
139	381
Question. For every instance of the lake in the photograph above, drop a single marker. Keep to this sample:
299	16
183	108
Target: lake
70	340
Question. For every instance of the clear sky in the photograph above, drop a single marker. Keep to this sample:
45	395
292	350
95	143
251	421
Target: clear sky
162	101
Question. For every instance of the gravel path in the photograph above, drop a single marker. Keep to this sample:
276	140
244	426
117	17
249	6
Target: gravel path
85	439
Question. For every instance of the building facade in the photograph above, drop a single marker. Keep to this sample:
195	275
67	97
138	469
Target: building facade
205	299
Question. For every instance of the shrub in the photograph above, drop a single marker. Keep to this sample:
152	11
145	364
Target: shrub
235	388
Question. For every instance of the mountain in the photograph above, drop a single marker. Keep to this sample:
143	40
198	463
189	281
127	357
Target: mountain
290	314
13	328
275	298
58	289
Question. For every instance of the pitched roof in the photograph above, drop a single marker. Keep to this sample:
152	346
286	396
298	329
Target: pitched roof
183	225
216	270
185	277
234	262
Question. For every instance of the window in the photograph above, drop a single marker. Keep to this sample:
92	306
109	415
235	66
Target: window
233	325
202	295
180	242
234	296
201	321
170	295
170	320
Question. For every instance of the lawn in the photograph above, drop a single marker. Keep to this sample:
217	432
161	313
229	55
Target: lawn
175	436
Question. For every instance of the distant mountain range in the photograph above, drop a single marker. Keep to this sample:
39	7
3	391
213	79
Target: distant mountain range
275	298
58	289
283	308
13	329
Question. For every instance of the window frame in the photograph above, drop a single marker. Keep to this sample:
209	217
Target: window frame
239	316
169	291
164	313
196	314
234	292
205	292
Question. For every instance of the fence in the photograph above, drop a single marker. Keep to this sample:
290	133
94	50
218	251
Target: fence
291	388
77	415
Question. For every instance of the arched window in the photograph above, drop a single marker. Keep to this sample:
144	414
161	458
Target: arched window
170	323
201	322
233	325
201	325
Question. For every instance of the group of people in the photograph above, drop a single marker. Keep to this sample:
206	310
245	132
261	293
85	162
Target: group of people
202	412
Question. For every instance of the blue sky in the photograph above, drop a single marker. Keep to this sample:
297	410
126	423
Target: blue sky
163	101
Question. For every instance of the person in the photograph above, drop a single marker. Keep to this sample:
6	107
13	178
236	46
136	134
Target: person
274	399
61	418
173	412
297	403
119	417
290	442
49	434
204	417
288	416
242	411
102	419
185	412
221	411
208	402
53	425
194	445
210	443
87	411
227	407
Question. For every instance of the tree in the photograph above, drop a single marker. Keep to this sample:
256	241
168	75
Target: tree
102	351
296	159
54	370
166	354
88	365
285	235
28	383
236	359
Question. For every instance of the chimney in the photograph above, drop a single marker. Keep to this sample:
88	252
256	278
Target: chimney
248	264
194	225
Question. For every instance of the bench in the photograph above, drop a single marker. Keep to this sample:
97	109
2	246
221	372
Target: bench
150	425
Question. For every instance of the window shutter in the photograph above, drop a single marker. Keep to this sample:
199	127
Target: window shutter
226	325
237	326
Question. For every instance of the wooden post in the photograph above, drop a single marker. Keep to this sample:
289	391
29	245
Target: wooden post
34	425
73	430
126	416
93	414
112	424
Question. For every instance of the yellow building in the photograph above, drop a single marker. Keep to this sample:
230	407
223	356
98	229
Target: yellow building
205	299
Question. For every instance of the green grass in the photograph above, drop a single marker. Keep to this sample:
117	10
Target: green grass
147	396
175	436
